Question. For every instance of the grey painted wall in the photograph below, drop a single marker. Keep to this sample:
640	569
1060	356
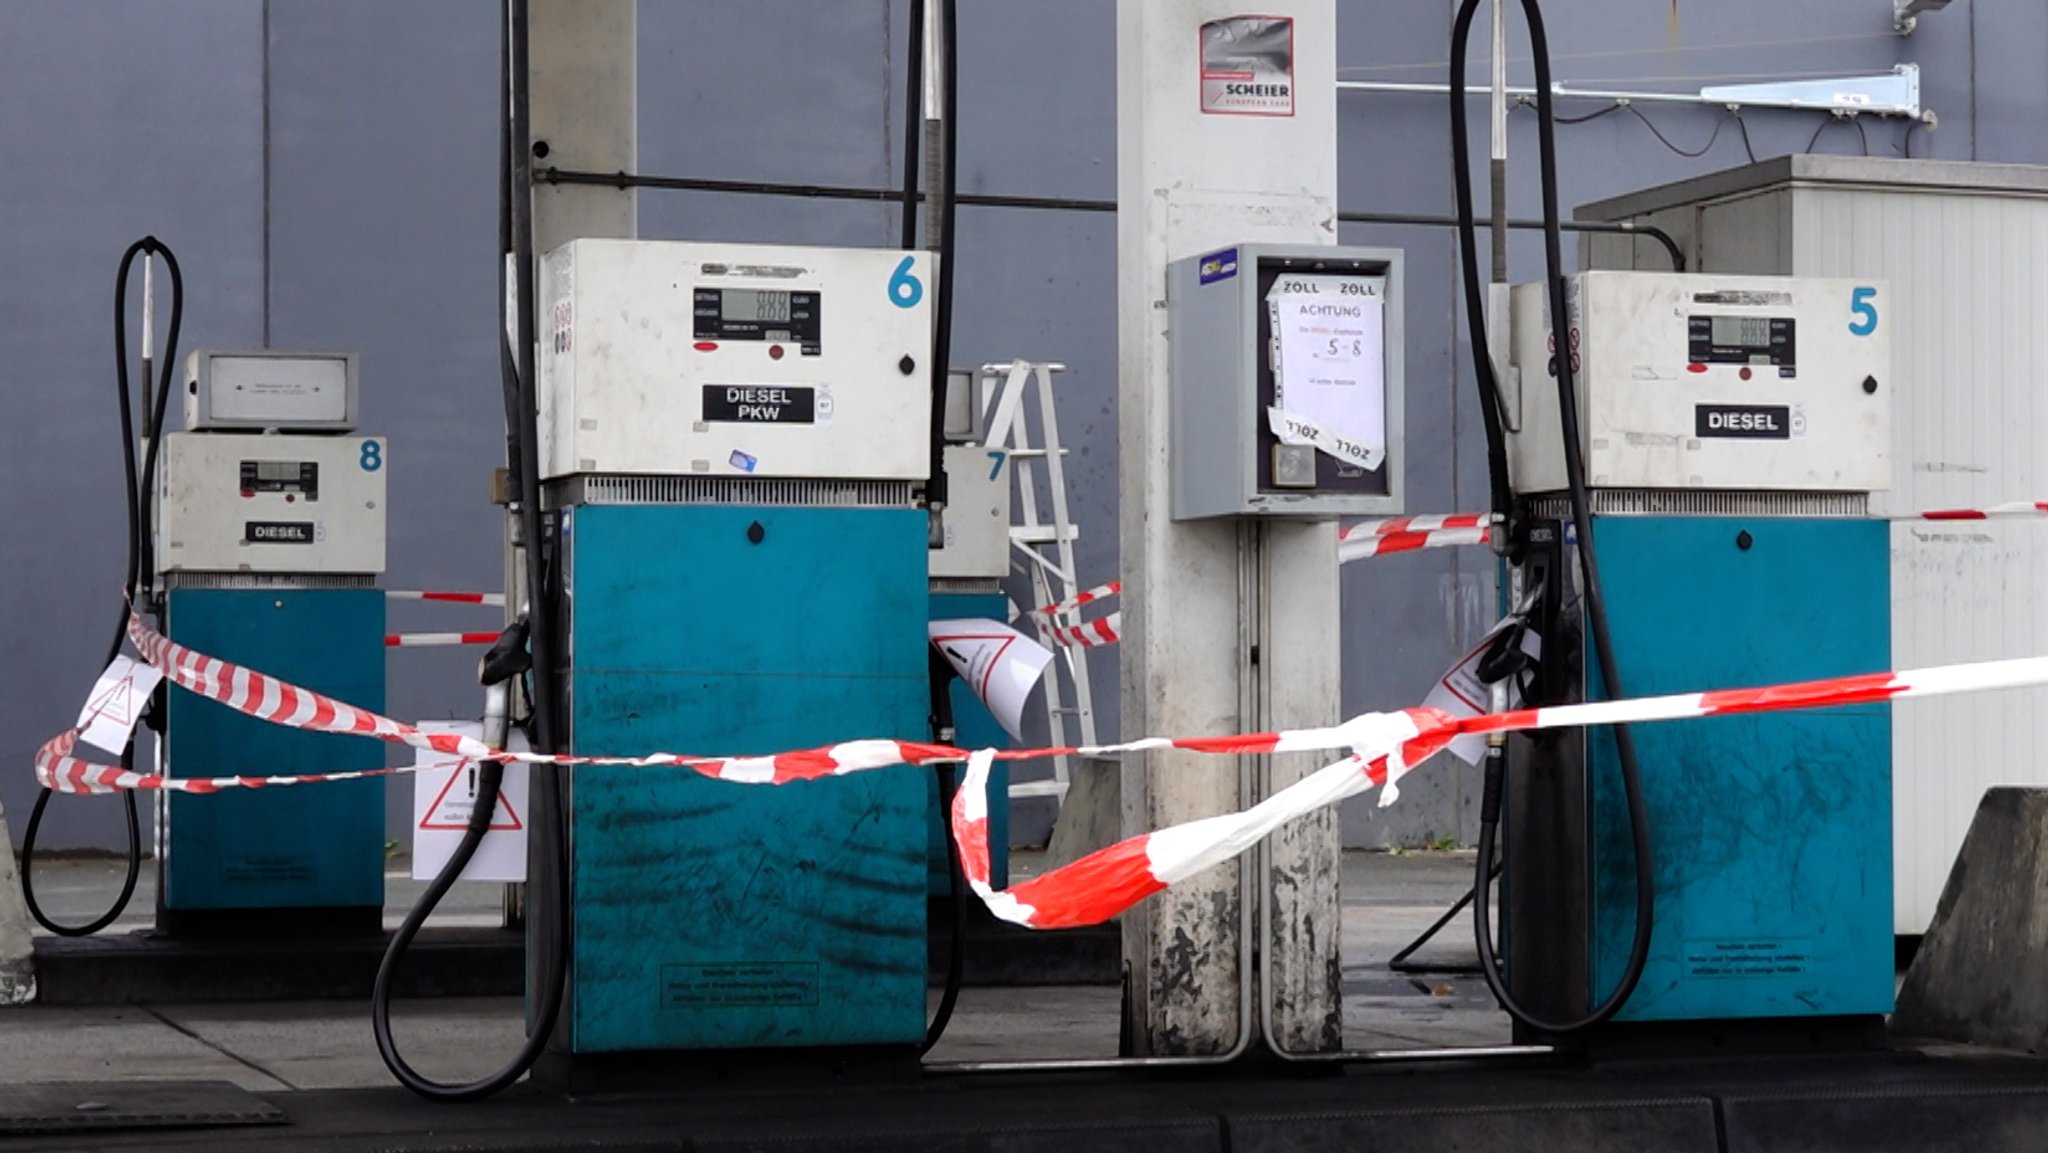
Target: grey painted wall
325	173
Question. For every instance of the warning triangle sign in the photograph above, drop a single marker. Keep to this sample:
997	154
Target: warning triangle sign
114	702
452	805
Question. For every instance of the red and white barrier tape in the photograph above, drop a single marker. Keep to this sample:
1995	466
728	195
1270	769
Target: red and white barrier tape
447	598
1386	746
279	702
1099	592
2014	508
1092	635
437	640
1382	748
1408	533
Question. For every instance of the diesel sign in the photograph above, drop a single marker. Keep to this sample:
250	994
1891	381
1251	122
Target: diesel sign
1743	421
278	532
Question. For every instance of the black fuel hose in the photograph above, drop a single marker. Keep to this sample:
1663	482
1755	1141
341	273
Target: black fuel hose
913	123
941	672
552	927
956	889
139	553
945	204
1581	502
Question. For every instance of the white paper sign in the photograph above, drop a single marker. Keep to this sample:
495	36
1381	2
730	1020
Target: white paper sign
444	794
1000	665
1291	428
1461	693
1329	363
115	704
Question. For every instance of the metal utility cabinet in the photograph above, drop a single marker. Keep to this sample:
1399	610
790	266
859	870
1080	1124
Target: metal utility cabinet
1962	247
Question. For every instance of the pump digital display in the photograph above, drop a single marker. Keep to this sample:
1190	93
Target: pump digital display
1742	332
1746	340
749	304
301	477
757	314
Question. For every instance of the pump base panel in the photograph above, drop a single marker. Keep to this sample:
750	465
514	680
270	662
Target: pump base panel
274	855
710	915
1772	833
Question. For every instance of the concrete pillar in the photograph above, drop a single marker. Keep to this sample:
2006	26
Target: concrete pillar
583	109
1202	598
582	68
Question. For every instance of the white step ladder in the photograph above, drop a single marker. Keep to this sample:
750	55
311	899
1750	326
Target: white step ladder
1040	472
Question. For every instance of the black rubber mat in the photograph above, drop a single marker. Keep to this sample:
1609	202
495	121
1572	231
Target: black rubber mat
99	1106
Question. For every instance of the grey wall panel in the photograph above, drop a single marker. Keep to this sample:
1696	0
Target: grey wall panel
1038	87
119	119
383	202
667	215
767	90
2009	87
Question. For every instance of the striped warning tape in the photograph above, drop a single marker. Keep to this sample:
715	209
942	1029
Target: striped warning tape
1099	592
1385	747
2015	508
1381	748
1092	635
446	597
437	640
1372	538
279	702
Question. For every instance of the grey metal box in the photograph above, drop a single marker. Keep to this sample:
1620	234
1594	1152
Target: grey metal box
263	389
1227	459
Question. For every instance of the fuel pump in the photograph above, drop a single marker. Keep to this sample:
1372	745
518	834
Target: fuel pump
1710	443
1733	429
732	443
269	527
967	571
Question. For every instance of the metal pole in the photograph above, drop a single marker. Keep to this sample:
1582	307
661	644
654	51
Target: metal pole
1497	291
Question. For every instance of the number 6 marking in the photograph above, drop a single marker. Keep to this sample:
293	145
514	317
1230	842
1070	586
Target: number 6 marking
905	290
1861	303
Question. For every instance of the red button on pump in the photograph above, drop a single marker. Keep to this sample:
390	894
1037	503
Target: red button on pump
775	352
1695	368
1745	373
705	346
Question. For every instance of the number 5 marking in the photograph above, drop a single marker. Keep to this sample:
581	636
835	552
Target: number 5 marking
905	290
1862	303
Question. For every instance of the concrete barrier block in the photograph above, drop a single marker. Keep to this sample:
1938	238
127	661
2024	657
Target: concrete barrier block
1981	975
17	946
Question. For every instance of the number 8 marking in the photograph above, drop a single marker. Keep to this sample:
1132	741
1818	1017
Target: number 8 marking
372	457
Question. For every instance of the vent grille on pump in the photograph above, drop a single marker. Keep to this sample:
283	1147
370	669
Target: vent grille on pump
1707	502
788	492
246	580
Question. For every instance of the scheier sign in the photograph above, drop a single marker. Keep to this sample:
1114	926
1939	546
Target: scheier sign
1248	66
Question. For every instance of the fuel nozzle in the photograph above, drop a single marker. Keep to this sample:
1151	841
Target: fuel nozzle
508	656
